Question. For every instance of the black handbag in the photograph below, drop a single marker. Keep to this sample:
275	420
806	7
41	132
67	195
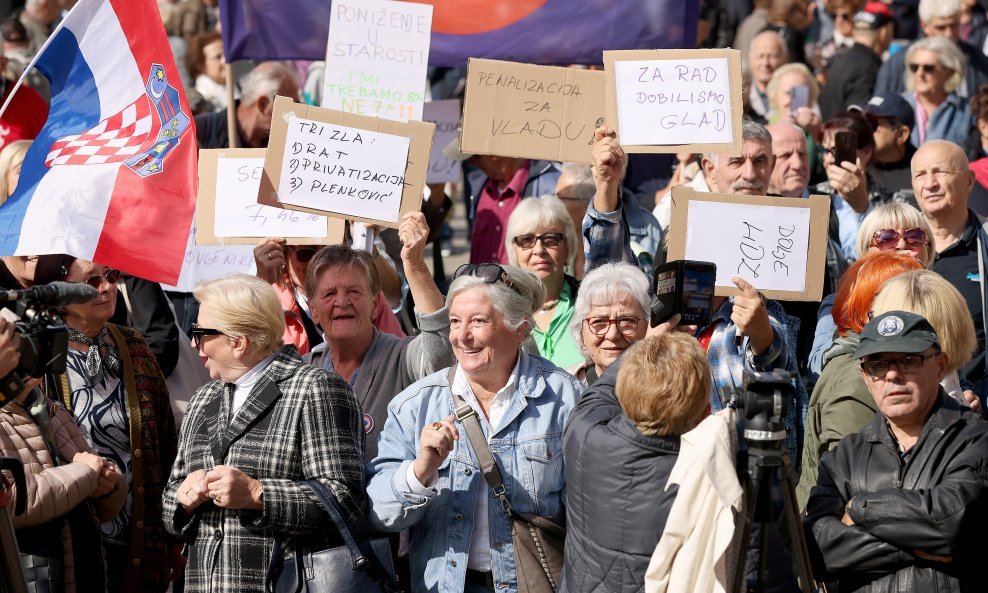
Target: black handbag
355	567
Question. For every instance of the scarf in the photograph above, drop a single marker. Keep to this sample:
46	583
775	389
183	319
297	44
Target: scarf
102	353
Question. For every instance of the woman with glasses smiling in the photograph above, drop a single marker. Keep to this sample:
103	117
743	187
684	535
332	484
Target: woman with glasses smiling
935	69
116	392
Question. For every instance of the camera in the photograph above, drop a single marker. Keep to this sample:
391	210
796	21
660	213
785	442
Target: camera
763	402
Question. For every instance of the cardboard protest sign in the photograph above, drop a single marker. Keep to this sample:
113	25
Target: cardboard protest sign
676	100
534	112
344	165
202	263
777	244
376	58
446	116
227	211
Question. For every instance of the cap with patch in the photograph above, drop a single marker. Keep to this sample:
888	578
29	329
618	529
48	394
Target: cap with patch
874	15
896	331
892	106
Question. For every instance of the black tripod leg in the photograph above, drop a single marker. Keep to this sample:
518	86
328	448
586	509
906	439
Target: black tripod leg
797	546
751	496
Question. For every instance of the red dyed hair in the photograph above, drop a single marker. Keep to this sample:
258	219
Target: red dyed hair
861	283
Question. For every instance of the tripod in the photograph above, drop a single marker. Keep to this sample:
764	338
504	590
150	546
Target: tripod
766	459
12	577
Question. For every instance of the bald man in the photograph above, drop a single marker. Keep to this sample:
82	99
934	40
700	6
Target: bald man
766	53
942	180
791	174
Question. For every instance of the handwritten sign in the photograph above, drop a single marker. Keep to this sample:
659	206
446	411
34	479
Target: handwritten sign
526	111
446	116
777	244
376	58
204	263
344	165
228	213
675	100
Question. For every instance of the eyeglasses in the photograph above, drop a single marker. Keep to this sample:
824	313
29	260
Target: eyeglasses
303	254
198	333
886	239
548	240
910	363
926	68
489	273
843	16
822	150
599	326
96	280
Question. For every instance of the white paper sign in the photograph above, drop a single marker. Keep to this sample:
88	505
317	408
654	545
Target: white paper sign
674	101
446	116
766	245
239	215
209	262
343	170
376	58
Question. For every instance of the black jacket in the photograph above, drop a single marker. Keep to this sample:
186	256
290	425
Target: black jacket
850	80
616	497
934	501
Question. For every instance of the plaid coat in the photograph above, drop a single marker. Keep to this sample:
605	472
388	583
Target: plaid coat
298	423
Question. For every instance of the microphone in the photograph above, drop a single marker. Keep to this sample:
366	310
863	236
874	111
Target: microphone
56	294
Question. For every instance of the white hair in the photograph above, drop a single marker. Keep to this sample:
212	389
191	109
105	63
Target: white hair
606	284
515	305
938	9
545	211
949	56
582	181
264	81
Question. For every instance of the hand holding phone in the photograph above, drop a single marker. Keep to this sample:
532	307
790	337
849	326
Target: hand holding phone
799	96
845	147
683	287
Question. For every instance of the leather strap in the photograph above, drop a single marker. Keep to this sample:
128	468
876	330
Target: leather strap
332	509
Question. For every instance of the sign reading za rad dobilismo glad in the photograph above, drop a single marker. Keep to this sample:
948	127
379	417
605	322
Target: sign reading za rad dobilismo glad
777	244
534	112
344	165
677	100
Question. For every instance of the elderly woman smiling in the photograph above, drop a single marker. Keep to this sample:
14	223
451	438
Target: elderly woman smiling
426	477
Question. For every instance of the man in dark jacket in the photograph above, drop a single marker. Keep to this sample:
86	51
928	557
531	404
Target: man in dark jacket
900	506
620	445
851	77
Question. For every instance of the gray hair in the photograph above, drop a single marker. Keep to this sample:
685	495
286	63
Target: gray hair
583	184
751	131
515	305
545	211
949	56
938	9
264	81
604	285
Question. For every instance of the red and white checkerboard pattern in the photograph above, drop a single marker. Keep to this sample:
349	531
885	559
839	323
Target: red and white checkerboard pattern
113	140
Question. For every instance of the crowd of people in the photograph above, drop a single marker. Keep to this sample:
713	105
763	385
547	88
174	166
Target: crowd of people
528	390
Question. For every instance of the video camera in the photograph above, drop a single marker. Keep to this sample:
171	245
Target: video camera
43	345
763	402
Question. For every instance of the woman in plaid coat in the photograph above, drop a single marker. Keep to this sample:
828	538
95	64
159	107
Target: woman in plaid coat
249	438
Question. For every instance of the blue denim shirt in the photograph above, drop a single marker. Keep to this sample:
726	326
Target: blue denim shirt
527	447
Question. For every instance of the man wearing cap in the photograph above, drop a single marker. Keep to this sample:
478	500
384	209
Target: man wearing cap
900	505
851	77
893	119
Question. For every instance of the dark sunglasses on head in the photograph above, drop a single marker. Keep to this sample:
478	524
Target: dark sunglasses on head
528	241
198	333
926	68
886	239
489	273
303	254
96	280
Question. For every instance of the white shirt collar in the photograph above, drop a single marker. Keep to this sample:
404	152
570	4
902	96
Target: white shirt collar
461	386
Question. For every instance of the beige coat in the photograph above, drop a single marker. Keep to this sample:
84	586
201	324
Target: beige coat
54	490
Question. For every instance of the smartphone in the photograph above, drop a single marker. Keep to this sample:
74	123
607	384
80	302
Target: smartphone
799	96
685	287
845	147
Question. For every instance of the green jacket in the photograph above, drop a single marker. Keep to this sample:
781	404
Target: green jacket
841	405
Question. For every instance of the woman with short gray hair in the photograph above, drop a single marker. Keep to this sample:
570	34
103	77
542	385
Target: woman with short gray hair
426	475
611	313
935	68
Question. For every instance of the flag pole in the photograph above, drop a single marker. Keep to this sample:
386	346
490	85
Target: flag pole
231	108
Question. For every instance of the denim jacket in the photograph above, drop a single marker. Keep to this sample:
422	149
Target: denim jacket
528	450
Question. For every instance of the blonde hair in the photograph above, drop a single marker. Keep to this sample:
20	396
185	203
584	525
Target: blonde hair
773	84
664	384
894	215
11	156
926	293
545	211
949	56
243	305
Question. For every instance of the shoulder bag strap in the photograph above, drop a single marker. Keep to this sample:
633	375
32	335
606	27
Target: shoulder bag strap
332	509
467	416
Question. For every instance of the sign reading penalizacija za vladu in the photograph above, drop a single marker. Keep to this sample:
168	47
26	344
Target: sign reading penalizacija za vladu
675	100
376	58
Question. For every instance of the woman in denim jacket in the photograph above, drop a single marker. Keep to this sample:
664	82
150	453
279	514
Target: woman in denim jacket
426	478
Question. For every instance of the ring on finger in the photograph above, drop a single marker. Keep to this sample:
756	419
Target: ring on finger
437	425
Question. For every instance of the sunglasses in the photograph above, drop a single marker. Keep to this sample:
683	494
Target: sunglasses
599	326
489	273
926	68
303	254
198	333
548	240
109	276
886	239
910	363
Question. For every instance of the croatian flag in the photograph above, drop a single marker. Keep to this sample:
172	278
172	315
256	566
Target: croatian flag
112	176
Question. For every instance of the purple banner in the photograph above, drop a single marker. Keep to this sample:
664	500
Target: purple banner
533	31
